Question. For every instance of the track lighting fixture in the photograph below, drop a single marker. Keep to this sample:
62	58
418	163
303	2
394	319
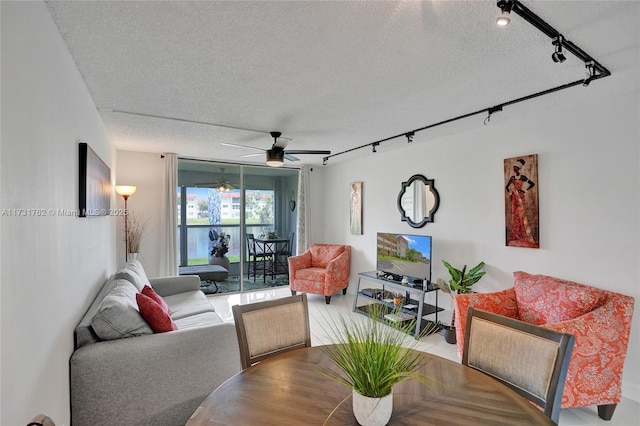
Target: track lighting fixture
490	111
594	71
590	73
324	161
410	137
558	56
505	17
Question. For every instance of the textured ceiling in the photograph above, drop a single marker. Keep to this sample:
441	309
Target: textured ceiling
329	75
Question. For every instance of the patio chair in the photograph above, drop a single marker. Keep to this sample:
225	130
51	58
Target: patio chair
256	259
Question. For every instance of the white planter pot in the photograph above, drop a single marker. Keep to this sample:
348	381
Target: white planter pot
372	411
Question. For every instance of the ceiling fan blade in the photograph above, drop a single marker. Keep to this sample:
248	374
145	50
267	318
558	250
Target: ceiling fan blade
290	157
307	151
252	155
242	146
282	142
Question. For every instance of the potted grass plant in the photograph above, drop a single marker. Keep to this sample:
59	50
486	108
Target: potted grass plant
460	283
373	355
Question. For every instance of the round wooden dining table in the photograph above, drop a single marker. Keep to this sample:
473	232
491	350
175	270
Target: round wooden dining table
288	389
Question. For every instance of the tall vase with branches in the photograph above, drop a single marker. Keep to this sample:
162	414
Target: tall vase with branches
135	234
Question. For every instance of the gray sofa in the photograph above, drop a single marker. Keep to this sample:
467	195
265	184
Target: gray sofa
121	373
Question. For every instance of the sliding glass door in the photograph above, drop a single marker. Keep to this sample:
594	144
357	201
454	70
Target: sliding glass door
220	203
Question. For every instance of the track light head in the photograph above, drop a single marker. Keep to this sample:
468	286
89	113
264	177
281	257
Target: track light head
590	73
505	17
410	137
558	56
324	161
373	146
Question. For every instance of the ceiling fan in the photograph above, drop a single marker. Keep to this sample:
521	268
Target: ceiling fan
220	185
277	153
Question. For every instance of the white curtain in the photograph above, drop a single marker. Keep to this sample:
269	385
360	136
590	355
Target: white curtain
169	218
302	239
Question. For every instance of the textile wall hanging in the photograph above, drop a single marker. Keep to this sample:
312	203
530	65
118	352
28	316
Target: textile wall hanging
521	201
355	195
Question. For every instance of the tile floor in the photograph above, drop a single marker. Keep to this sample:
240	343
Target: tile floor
627	413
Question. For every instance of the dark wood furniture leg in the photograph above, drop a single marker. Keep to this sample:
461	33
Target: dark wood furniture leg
293	292
327	299
605	412
344	291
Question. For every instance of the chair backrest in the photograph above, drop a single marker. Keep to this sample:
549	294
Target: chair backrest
251	245
531	360
268	328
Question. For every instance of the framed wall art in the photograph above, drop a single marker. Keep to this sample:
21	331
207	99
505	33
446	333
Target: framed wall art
522	227
355	195
94	183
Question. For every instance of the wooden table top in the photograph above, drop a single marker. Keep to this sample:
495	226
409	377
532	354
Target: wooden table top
288	390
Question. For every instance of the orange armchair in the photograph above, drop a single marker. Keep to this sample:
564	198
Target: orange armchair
322	269
600	321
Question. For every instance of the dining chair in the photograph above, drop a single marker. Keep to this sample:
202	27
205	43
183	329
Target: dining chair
531	360
256	259
271	327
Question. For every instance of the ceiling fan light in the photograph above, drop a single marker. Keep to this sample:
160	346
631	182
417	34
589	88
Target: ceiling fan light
275	157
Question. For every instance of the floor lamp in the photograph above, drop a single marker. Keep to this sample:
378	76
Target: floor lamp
126	191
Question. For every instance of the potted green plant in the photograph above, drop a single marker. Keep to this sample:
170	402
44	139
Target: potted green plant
461	282
373	355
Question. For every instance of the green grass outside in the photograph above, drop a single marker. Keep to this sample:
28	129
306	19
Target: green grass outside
205	260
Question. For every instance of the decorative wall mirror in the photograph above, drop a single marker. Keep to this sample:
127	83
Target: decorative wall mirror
418	201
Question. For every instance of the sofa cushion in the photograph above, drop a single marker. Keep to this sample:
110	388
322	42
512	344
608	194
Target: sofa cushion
157	318
200	320
150	292
311	274
188	303
118	314
543	299
134	273
322	254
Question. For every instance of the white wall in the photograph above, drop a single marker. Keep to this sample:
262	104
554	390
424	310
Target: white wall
52	266
145	171
589	200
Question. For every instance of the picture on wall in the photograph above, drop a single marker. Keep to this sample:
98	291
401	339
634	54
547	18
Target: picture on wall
95	184
521	201
355	196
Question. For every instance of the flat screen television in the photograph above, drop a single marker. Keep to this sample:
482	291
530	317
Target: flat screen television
404	255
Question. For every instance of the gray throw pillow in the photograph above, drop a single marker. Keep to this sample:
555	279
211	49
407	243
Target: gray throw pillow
134	273
118	315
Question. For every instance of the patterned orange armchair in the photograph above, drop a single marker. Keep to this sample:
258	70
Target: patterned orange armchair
600	321
322	269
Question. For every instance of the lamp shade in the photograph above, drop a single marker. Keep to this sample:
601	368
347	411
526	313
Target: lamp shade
125	190
275	157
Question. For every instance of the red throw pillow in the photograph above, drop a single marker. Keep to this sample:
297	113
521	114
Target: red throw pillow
150	292
154	315
548	300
